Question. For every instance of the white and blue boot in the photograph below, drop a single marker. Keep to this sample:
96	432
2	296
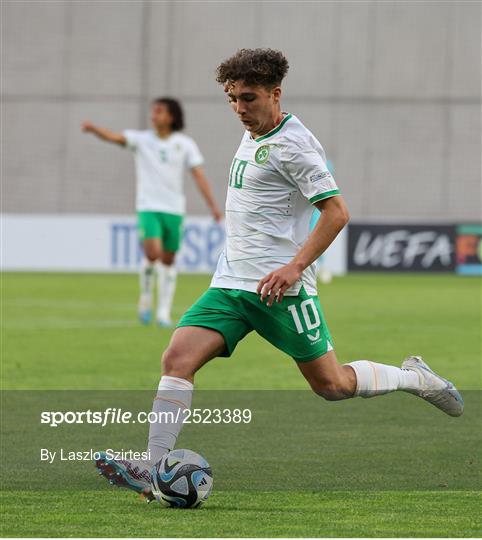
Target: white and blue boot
134	475
163	319
434	388
144	309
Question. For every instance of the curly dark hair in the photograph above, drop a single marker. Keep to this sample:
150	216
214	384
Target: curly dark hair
175	110
264	67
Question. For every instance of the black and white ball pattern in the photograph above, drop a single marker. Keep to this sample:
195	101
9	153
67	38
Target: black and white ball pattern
181	479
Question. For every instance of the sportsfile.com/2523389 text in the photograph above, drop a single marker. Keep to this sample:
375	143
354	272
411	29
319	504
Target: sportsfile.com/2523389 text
113	415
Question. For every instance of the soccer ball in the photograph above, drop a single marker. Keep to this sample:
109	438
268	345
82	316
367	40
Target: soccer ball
181	479
324	275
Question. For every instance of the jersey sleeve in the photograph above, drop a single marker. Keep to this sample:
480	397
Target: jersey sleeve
194	157
303	163
132	137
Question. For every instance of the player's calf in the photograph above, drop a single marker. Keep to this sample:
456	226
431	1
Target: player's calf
333	392
328	378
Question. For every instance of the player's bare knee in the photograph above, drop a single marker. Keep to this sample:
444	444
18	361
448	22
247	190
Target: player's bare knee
175	364
168	361
151	254
168	258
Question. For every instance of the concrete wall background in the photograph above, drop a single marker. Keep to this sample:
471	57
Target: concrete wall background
391	89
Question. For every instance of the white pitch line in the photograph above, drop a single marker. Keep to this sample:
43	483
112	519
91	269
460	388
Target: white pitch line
52	323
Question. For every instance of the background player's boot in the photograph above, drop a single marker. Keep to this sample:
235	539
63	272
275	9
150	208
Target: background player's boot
164	323
145	309
133	475
163	319
435	389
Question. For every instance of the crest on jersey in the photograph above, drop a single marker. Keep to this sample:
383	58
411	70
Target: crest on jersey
262	154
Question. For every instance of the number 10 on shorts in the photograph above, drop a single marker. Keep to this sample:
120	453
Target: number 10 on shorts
310	315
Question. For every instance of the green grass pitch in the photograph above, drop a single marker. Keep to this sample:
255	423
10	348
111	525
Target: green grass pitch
79	332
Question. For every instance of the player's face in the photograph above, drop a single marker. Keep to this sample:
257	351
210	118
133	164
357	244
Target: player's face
255	106
160	116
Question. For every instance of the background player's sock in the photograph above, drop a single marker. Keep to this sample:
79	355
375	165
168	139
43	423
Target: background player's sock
166	287
375	379
174	395
146	278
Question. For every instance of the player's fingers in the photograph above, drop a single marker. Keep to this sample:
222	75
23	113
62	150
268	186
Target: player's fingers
262	283
282	287
266	289
281	293
272	297
275	288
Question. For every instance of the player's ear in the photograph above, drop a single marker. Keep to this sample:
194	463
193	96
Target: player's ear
276	93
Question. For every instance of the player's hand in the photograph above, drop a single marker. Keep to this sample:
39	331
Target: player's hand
275	284
87	127
217	215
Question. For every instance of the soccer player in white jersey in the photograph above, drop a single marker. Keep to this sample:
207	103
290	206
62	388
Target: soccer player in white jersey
265	279
162	156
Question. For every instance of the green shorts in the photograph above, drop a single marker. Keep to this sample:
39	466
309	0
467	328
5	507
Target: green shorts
296	325
167	227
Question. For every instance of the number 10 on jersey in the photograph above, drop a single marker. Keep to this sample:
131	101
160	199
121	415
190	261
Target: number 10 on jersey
236	173
312	320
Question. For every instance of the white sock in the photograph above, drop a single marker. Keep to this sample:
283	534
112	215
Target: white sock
374	379
174	395
166	287
146	279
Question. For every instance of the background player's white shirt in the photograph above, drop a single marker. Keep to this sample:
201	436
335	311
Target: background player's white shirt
160	168
273	182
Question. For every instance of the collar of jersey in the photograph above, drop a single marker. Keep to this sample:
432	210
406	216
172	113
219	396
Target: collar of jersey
156	136
274	130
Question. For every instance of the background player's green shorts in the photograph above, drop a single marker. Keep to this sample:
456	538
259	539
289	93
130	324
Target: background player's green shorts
167	227
296	325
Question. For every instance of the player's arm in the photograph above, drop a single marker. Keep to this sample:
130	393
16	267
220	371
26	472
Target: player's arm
205	188
334	216
104	134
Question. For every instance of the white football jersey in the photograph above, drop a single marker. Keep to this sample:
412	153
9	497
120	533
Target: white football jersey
160	168
273	182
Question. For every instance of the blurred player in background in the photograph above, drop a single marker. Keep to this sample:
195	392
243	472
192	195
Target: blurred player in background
162	156
265	279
